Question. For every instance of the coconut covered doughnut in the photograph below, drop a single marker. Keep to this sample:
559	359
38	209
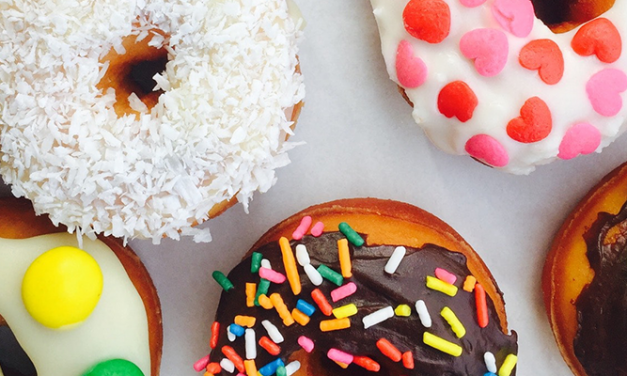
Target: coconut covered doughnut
75	310
488	79
136	118
357	286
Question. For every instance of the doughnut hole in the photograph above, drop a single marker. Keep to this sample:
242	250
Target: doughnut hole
564	15
13	359
132	72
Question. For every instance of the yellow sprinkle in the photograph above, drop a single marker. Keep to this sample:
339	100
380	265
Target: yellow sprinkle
207	373
251	291
343	365
245	321
289	262
281	308
345	311
265	302
508	365
441	344
441	286
251	367
335	324
345	258
403	310
300	317
469	283
453	321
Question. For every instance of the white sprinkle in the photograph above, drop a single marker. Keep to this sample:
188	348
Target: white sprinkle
490	362
230	335
251	343
395	260
313	275
227	365
378	317
302	255
273	331
265	263
292	367
423	313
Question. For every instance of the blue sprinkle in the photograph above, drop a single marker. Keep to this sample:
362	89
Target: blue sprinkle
305	307
489	374
270	368
237	330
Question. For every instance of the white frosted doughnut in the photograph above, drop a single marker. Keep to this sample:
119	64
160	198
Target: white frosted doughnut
216	132
470	67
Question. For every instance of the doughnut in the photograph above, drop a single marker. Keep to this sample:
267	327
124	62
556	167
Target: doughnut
491	80
349	307
88	311
584	280
141	119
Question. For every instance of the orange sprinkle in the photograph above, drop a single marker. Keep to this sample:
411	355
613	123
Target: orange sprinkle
290	265
335	324
345	258
367	363
322	302
269	345
251	367
281	308
300	317
230	353
343	365
208	374
389	350
215	334
469	283
264	301
251	291
214	368
245	321
482	306
408	360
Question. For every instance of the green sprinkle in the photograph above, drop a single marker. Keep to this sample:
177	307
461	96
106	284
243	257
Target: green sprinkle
222	280
255	263
280	371
351	234
330	274
262	288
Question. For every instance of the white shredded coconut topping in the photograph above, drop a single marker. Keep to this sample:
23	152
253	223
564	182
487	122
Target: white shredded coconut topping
217	131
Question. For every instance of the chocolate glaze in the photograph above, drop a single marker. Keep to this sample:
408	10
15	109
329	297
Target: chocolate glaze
375	290
601	337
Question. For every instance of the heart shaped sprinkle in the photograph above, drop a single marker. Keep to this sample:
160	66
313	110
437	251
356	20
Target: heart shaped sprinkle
457	99
487	149
427	20
604	90
582	138
411	71
488	48
534	122
598	37
545	56
515	16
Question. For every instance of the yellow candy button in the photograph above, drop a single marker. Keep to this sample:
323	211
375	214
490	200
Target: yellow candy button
62	287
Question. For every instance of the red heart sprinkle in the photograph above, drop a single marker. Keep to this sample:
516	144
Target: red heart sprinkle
428	20
534	123
598	37
545	56
457	99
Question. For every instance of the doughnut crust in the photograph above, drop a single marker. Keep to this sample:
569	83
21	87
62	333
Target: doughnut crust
18	221
384	224
567	271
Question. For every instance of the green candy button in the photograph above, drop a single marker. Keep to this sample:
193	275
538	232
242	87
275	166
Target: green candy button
115	367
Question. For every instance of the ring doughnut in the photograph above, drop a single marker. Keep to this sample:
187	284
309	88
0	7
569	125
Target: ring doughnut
136	119
488	79
359	314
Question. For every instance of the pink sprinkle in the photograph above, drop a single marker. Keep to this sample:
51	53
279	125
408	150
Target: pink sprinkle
411	71
302	228
515	16
604	90
445	276
472	3
306	343
340	356
343	291
317	229
488	48
487	149
201	363
582	138
271	275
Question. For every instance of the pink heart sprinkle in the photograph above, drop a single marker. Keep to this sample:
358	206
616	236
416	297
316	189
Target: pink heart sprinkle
488	47
581	138
410	70
472	3
487	149
515	16
604	90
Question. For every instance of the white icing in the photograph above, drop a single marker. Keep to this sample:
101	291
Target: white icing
500	97
218	131
117	328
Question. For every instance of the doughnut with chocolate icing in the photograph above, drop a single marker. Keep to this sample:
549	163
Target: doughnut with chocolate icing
122	333
432	249
585	279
